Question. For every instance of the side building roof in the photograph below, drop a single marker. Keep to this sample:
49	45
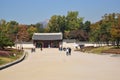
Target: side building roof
47	36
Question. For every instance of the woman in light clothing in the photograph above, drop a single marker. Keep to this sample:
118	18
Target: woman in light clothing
67	51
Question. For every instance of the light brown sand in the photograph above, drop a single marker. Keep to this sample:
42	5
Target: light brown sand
51	64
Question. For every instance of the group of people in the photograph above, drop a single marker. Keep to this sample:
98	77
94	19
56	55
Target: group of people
33	50
68	50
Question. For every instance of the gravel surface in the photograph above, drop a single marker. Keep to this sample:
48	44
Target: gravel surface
52	64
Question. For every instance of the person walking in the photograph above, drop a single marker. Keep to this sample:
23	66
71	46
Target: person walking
41	48
67	51
31	50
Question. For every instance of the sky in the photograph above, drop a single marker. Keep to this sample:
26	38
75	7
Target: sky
33	11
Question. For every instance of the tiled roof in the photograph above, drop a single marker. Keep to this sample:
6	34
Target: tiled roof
47	36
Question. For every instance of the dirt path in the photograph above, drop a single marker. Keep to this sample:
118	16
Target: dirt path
51	64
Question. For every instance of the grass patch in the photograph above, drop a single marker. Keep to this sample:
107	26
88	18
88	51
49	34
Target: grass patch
105	49
96	50
99	49
14	55
4	60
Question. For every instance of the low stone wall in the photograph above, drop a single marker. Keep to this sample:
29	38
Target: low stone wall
14	62
71	45
25	46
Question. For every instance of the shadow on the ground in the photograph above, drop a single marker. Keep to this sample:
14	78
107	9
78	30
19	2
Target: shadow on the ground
115	55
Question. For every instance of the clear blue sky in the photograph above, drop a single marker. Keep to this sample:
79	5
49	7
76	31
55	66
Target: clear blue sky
33	11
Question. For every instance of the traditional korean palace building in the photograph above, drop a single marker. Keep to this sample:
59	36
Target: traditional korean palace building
46	40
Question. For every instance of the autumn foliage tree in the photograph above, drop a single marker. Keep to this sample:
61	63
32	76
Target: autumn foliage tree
22	35
106	30
115	31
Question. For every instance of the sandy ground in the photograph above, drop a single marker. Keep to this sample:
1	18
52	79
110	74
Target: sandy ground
51	64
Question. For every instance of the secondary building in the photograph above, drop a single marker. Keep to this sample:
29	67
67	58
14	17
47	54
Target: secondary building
46	40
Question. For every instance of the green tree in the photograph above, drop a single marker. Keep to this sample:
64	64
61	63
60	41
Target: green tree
73	20
62	24
65	24
53	24
87	26
115	30
31	30
107	29
5	39
95	32
12	29
39	27
80	35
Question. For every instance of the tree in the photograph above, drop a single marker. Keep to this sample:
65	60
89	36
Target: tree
95	32
73	21
39	27
115	31
107	29
79	35
22	33
12	29
65	24
5	39
5	42
31	30
87	26
53	24
62	24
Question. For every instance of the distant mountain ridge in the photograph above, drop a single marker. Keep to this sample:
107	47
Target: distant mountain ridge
44	23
